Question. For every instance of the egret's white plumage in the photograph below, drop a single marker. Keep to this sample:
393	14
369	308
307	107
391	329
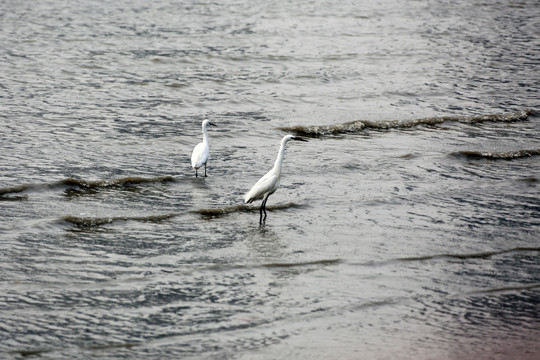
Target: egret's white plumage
268	184
200	154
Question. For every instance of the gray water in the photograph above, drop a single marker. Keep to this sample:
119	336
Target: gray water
406	228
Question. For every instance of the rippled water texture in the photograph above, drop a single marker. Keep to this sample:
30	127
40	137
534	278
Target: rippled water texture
406	228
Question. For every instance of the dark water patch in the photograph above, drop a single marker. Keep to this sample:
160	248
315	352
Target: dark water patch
407	156
358	126
92	222
13	198
111	346
217	212
509	155
481	255
40	352
27	353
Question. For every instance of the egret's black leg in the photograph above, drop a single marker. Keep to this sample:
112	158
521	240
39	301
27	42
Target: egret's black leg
264	207
196	173
261	211
204	169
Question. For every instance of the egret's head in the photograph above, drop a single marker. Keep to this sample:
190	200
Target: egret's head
287	138
205	123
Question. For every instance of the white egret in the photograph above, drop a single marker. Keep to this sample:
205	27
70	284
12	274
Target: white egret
269	183
199	157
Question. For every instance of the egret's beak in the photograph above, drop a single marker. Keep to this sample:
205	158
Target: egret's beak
299	139
212	124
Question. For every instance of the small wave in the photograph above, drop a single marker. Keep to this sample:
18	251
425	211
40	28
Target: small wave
28	353
86	185
507	289
510	155
305	263
529	179
361	125
274	265
90	222
481	255
127	181
216	212
13	189
326	130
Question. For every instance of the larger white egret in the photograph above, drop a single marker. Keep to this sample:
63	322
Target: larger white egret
269	183
199	157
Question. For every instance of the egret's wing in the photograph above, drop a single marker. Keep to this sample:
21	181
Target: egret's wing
261	187
199	155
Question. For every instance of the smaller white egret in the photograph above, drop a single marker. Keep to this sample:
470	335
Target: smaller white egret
202	150
269	183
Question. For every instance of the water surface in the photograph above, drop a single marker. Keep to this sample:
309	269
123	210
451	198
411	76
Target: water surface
407	227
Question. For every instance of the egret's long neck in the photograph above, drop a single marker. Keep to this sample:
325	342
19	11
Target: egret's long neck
205	135
279	160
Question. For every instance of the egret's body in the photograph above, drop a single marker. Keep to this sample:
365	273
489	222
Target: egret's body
268	184
200	154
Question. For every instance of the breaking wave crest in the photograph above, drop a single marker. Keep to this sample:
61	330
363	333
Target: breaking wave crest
9	191
83	222
216	212
361	125
127	181
13	189
510	155
91	222
85	185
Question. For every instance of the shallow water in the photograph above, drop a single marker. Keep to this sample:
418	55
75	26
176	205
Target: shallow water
407	227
